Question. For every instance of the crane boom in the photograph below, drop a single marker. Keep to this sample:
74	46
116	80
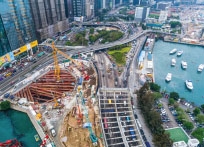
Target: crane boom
56	65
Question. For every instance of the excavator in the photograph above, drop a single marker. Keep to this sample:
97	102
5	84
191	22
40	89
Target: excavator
92	136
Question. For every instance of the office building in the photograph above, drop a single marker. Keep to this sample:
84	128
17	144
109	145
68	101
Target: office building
136	2
68	8
163	16
78	8
141	13
49	17
163	5
97	7
4	42
89	11
17	29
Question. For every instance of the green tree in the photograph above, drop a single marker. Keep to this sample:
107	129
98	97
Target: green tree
188	125
196	111
200	118
157	95
91	30
154	87
5	105
199	134
202	107
164	142
174	95
174	24
171	101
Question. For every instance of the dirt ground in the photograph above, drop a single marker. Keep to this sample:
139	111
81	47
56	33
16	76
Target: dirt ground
72	128
77	136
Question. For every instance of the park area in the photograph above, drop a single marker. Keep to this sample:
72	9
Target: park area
177	134
119	55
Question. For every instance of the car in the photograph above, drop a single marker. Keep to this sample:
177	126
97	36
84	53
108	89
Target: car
6	95
141	131
8	74
26	63
135	115
53	132
144	138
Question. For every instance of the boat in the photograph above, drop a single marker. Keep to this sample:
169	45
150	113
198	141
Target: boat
173	51
37	138
11	143
200	67
189	84
179	53
168	77
184	64
173	62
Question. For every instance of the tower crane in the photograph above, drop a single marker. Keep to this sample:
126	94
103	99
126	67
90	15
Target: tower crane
56	65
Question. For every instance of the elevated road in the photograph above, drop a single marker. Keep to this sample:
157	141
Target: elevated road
74	50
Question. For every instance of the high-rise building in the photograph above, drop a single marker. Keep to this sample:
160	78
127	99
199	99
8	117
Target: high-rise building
49	17
78	8
17	20
4	42
141	13
89	11
68	8
16	28
136	2
97	7
163	5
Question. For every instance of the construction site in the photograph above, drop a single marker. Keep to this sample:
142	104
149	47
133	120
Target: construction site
63	101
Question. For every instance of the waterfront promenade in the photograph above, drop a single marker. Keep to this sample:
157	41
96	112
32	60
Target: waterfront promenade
32	118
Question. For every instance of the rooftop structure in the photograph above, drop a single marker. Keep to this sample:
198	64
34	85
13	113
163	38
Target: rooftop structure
117	119
193	142
179	144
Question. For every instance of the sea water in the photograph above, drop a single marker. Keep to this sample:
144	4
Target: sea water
17	125
193	55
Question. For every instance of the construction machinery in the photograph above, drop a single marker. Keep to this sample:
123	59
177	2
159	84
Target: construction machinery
92	136
56	65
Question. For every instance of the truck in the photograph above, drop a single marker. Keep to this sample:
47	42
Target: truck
51	129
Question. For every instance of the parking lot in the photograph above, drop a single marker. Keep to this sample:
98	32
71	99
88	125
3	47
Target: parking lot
118	122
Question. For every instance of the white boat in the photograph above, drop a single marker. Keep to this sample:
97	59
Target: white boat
189	84
179	53
184	64
168	77
173	51
173	62
200	67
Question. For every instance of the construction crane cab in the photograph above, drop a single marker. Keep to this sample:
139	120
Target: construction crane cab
56	65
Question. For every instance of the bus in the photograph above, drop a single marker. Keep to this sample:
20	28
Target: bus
105	123
109	101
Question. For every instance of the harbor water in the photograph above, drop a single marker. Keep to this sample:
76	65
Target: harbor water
17	125
193	55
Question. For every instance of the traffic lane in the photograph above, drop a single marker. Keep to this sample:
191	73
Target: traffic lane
5	86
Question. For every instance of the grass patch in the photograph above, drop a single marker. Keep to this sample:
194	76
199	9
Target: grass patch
177	134
199	134
119	55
